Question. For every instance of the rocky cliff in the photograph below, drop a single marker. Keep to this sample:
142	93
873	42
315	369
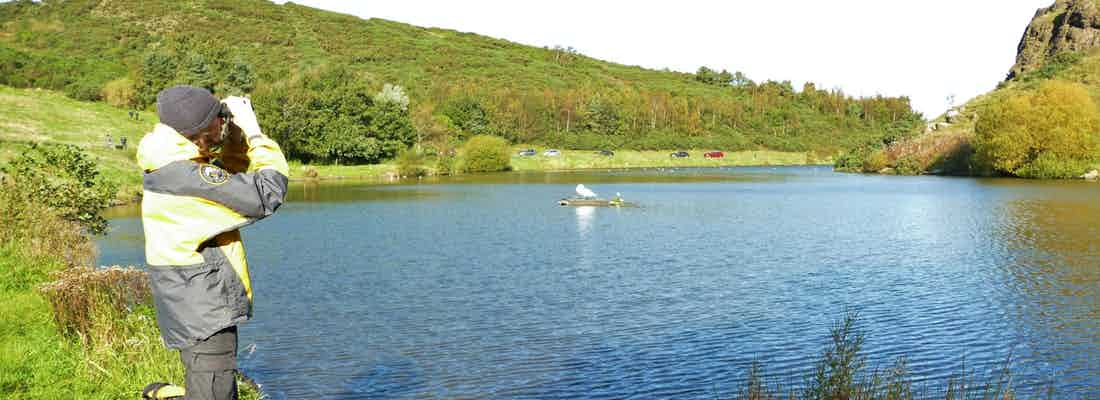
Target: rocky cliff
1067	25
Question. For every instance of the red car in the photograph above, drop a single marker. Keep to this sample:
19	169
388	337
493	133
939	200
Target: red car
714	154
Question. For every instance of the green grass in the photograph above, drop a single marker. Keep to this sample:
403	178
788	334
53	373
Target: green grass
43	116
571	160
114	357
585	159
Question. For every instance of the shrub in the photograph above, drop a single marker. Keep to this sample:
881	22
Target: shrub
411	164
83	90
487	154
1049	166
36	231
65	179
851	160
120	93
874	162
1050	132
908	165
445	163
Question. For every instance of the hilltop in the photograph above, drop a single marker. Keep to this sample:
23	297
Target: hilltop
452	84
1059	51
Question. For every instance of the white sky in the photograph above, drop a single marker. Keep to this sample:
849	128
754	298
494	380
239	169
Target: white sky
925	49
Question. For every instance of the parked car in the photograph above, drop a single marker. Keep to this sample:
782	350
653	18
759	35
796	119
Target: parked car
528	153
714	154
606	153
551	153
680	154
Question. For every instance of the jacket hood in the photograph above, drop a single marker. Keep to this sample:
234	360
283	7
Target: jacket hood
163	146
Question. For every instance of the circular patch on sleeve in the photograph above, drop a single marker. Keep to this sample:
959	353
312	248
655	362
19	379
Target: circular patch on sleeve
213	175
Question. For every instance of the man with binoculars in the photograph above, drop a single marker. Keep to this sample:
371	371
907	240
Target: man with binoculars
208	171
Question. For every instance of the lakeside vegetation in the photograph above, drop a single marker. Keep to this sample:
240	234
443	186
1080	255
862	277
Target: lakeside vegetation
35	116
1039	123
69	330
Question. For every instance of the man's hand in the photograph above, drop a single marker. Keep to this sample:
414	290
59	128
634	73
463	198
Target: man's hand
243	116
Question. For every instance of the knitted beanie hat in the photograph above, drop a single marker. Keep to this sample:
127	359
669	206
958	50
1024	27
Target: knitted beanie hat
187	109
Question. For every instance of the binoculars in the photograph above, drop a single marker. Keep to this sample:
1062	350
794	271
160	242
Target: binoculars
224	112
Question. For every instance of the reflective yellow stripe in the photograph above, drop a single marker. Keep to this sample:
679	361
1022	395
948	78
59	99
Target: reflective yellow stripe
175	226
266	154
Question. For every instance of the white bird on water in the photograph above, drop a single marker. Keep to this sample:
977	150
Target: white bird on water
585	192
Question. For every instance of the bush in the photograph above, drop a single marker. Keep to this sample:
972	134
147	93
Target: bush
874	162
908	165
83	90
1053	131
851	160
445	163
65	179
411	164
1049	166
120	93
487	154
39	234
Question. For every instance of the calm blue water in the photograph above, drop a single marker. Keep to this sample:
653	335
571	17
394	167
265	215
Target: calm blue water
482	287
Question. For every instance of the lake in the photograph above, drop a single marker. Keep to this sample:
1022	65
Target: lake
482	287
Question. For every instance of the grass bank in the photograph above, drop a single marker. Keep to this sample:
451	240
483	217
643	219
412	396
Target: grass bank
68	330
585	159
572	160
43	116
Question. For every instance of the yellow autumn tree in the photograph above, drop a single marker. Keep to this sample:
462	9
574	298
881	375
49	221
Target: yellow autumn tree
1050	132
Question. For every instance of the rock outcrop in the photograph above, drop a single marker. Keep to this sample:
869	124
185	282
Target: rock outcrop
1066	26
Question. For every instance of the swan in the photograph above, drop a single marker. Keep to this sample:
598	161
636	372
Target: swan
585	192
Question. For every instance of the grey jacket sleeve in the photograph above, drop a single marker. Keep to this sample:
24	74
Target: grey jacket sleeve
253	195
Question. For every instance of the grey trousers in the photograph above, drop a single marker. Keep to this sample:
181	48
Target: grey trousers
211	367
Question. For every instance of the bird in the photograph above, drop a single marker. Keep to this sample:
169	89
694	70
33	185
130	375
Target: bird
585	192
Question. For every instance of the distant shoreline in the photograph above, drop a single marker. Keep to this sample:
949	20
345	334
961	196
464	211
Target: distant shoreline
570	161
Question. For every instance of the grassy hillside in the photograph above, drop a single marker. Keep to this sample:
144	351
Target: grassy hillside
458	84
43	116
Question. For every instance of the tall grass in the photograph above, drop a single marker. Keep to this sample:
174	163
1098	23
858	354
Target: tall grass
68	330
842	373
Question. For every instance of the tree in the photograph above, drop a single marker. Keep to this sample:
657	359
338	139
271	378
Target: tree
393	94
739	79
157	72
602	117
330	115
240	80
725	77
468	116
199	73
1051	132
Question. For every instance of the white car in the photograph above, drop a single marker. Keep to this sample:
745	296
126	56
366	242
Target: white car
551	153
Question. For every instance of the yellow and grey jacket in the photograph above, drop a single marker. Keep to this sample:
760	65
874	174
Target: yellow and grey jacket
191	212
